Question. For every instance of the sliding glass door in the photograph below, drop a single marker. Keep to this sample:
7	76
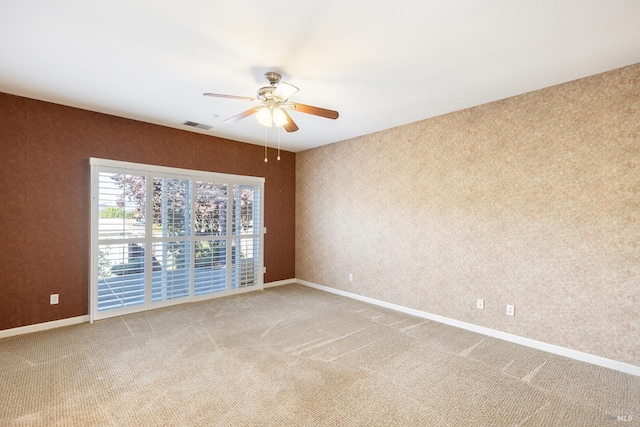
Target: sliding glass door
162	236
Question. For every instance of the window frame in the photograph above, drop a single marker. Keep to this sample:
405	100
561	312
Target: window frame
98	165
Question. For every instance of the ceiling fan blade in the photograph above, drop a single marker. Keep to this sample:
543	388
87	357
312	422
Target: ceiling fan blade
316	111
244	114
284	90
217	95
290	126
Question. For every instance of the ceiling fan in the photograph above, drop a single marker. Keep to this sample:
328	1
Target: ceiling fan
274	103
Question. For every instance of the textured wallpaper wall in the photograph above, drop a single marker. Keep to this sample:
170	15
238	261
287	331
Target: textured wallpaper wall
532	200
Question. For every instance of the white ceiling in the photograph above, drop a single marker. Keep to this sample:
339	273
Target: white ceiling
381	64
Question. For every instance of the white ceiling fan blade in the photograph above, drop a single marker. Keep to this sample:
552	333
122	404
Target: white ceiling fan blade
284	90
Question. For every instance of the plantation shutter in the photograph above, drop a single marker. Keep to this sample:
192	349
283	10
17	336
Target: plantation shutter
162	236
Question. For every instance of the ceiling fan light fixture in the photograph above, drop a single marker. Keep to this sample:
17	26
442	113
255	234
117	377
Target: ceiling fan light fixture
264	117
279	118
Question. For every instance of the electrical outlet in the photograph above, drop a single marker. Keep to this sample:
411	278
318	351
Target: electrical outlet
511	310
53	299
480	303
351	277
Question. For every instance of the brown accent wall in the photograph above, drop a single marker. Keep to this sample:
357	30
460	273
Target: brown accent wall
532	200
44	195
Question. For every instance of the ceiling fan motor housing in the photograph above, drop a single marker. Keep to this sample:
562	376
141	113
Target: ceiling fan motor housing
266	93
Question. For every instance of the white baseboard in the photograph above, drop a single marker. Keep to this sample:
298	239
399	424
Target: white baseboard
279	283
43	326
540	345
549	348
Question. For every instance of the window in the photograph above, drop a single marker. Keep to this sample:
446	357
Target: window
163	236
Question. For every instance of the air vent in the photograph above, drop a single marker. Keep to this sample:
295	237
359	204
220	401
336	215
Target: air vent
196	125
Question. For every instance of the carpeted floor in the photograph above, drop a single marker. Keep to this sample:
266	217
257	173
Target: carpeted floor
295	356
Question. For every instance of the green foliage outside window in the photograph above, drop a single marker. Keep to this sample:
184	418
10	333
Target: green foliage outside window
114	212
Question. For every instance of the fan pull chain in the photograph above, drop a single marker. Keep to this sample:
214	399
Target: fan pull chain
279	143
265	145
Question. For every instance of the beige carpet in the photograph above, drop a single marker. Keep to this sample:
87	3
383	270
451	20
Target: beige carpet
294	356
